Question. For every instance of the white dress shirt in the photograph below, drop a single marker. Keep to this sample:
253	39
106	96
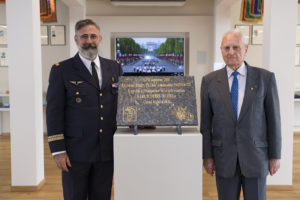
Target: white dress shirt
242	77
88	65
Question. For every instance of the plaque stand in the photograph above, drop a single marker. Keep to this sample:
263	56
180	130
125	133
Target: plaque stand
159	164
135	130
179	129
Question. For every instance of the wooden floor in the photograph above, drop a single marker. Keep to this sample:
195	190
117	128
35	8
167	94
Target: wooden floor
52	190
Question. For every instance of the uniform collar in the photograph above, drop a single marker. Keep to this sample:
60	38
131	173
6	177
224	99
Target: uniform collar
87	62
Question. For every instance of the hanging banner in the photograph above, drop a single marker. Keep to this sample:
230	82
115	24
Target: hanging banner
48	10
252	10
2	1
44	8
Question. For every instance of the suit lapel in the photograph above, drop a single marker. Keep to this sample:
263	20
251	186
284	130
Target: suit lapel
83	72
223	89
105	73
250	90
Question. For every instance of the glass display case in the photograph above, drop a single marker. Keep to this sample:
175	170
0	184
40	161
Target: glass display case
4	101
4	107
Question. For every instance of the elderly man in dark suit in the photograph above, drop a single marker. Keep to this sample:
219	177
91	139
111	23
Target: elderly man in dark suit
240	124
81	117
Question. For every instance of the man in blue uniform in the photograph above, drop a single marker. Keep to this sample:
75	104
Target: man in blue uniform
81	117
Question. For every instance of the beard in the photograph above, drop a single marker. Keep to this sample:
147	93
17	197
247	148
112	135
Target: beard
89	51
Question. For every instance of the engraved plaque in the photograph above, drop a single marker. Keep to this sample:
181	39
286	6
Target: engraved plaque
157	100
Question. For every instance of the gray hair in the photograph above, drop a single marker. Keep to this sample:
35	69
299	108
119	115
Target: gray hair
85	22
238	32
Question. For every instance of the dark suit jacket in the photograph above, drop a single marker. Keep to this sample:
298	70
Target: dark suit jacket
81	118
255	137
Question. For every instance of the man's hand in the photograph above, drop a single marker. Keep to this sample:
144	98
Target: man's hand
209	165
274	165
62	161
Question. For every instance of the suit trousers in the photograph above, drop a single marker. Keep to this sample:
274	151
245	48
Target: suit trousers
230	188
92	181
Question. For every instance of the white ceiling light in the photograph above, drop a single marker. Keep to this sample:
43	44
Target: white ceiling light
148	2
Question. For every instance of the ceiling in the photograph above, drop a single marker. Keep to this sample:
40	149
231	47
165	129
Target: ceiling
191	8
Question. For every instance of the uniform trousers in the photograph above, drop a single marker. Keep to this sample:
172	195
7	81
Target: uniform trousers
92	181
230	188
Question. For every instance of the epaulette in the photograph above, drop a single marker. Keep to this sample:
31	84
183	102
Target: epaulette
57	64
117	61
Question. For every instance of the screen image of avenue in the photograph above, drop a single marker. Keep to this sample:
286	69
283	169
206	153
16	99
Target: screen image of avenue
151	55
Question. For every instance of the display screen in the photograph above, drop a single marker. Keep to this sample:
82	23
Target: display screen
153	56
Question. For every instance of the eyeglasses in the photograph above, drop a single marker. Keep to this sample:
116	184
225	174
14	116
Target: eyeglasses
234	48
86	36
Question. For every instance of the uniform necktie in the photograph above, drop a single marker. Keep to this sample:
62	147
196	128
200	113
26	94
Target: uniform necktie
234	93
94	73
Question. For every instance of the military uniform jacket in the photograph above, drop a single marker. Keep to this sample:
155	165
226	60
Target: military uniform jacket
252	139
81	117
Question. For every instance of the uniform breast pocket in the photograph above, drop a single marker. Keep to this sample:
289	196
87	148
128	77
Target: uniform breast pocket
79	99
76	95
114	91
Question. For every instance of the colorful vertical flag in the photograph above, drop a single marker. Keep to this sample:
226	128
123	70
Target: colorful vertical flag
48	10
252	10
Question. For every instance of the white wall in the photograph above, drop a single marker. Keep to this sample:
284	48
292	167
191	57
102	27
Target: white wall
54	54
3	70
279	57
254	56
297	71
4	76
191	8
50	55
25	84
199	29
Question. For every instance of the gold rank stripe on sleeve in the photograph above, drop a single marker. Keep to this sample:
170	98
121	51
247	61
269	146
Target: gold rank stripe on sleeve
56	137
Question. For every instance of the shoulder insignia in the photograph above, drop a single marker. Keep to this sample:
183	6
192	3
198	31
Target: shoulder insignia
57	64
56	137
117	61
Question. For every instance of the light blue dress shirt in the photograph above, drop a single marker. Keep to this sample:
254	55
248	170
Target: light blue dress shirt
242	77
